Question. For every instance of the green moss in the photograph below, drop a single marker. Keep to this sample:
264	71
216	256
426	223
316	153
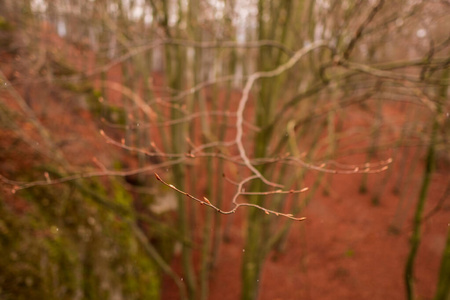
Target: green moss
5	25
61	68
6	34
80	88
110	113
68	243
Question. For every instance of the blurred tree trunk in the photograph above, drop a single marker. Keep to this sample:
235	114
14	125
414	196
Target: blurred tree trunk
429	168
443	287
273	24
417	223
175	70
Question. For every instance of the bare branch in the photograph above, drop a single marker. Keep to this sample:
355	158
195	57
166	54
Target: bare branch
207	202
245	97
20	185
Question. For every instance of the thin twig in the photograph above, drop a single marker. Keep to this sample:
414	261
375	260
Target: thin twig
19	185
205	201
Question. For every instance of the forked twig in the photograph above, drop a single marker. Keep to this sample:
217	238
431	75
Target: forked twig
245	98
205	201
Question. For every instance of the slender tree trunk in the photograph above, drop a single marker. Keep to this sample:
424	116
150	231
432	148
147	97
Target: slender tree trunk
417	223
253	255
429	167
443	287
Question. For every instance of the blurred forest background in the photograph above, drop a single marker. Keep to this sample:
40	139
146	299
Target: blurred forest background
238	106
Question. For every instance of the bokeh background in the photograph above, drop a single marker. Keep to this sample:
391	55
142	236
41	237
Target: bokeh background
238	106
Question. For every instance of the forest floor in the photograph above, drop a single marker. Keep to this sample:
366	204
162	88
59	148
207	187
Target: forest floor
347	248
